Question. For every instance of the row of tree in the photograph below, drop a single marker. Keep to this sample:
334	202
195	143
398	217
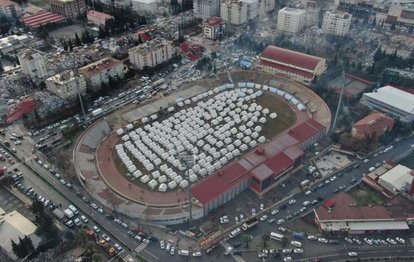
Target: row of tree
86	38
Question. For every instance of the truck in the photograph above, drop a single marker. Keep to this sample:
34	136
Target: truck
250	223
68	213
59	214
298	235
97	111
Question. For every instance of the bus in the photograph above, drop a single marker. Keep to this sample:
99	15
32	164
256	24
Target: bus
234	233
276	236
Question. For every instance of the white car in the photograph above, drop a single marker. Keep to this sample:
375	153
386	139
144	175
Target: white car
323	240
118	247
94	206
197	254
261	207
172	250
107	239
352	254
366	160
298	250
312	237
292	201
280	221
167	248
400	240
286	259
84	219
253	212
224	220
263	218
391	241
333	178
274	212
97	230
349	240
303	209
306	203
162	244
368	241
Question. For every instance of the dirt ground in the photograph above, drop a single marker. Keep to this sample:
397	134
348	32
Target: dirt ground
67	32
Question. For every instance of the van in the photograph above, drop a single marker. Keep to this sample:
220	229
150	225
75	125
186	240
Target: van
304	182
73	209
296	243
183	252
234	233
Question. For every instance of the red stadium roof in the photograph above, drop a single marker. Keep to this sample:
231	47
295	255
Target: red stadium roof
290	57
287	69
306	130
42	18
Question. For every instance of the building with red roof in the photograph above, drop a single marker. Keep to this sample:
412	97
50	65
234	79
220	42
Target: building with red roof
26	106
301	67
260	169
98	18
42	18
342	214
372	126
213	27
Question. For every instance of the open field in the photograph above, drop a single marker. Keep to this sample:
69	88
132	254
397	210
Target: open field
365	196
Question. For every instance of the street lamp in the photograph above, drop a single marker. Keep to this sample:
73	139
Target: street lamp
187	162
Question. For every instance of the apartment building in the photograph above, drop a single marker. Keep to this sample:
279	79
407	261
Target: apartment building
99	72
98	18
145	7
151	53
33	64
66	85
8	9
291	20
206	8
336	23
213	28
234	12
71	9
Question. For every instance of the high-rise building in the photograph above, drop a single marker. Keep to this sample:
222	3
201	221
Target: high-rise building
291	20
33	64
151	53
234	12
145	7
336	23
71	9
313	9
8	9
265	6
66	85
206	8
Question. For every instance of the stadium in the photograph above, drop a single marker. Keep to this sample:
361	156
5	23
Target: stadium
242	129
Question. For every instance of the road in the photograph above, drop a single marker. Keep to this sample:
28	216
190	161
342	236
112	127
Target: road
48	186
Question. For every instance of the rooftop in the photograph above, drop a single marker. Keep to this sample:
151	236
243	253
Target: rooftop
99	66
13	226
394	97
399	177
288	69
42	18
99	15
290	57
338	14
292	10
375	122
5	3
214	21
274	157
343	207
63	77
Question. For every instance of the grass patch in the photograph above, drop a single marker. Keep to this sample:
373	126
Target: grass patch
366	196
286	117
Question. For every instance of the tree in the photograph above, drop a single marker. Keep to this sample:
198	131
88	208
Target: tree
82	235
78	42
265	238
70	45
96	257
37	207
284	241
90	246
246	240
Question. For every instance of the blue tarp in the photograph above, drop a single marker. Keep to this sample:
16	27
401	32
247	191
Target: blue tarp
250	84
272	90
229	86
259	93
242	84
179	99
241	94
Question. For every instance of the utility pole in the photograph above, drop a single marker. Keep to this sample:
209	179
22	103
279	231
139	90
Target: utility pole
338	108
187	161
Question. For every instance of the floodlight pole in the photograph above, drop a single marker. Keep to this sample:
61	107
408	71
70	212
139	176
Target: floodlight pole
187	160
339	101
